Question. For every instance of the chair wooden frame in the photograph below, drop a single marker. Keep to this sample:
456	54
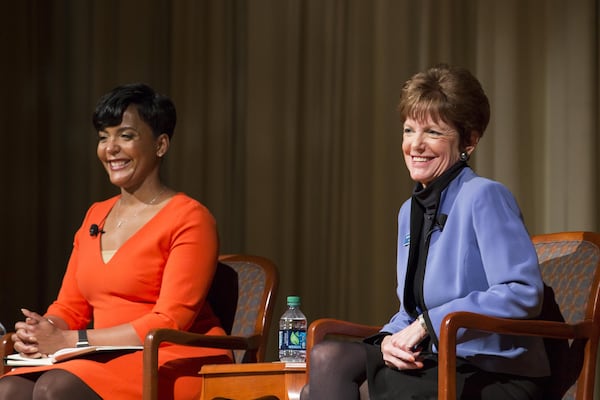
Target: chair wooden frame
6	348
322	328
588	329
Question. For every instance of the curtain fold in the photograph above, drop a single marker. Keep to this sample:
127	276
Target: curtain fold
287	126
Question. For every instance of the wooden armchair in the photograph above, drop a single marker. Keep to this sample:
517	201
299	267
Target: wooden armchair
570	265
243	296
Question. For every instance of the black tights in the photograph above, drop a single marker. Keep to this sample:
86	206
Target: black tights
51	385
337	371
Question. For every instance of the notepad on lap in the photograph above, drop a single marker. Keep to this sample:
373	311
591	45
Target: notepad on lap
17	360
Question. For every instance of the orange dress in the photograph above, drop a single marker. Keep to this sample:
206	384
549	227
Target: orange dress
158	278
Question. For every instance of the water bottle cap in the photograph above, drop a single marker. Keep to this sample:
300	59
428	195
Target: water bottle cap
293	300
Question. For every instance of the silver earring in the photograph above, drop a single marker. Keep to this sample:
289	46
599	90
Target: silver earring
464	156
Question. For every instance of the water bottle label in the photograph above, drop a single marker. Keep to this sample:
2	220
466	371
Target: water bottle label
292	339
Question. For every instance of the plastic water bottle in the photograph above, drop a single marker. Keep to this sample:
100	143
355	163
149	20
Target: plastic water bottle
292	332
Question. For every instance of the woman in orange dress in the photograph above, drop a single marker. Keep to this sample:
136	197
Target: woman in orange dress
143	259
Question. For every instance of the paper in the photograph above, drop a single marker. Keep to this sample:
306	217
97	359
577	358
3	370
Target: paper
16	360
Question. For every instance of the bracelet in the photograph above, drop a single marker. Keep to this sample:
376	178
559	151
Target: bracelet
82	340
421	320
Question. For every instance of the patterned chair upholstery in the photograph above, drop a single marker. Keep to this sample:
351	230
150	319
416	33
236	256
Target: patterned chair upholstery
251	314
568	266
242	296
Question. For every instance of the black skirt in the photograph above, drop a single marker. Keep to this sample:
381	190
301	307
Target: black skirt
471	382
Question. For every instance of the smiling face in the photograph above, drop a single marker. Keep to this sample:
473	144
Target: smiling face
429	148
445	112
129	151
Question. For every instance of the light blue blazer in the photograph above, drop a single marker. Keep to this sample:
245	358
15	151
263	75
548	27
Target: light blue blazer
482	261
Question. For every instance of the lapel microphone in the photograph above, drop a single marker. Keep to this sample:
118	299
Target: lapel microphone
95	230
438	224
440	221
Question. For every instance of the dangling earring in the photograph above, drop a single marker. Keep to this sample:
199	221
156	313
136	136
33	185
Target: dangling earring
464	156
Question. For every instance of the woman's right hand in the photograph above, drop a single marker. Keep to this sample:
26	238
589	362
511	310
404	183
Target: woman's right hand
25	337
400	350
24	342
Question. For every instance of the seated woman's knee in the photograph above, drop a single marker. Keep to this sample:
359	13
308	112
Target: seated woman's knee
325	353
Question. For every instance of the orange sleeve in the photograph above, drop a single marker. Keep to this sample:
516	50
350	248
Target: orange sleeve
70	304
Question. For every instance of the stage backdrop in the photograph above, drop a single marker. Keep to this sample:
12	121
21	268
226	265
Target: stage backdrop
288	129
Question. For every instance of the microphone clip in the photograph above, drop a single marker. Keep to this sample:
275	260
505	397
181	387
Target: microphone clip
95	230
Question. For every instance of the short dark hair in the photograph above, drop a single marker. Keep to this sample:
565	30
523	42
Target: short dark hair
451	94
157	110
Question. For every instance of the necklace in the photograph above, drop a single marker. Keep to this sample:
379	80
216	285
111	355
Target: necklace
146	205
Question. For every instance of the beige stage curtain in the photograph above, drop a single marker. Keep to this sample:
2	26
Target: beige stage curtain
288	128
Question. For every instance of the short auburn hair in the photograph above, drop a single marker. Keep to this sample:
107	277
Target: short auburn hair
451	94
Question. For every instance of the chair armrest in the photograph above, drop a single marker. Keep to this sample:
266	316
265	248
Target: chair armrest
320	328
457	320
155	337
6	348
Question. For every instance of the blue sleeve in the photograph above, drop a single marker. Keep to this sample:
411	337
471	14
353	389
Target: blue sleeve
499	275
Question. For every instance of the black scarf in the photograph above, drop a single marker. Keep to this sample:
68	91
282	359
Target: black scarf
424	220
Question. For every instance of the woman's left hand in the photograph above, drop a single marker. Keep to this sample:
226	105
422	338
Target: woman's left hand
400	350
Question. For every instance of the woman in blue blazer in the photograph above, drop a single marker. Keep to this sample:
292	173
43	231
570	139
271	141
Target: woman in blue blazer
462	246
